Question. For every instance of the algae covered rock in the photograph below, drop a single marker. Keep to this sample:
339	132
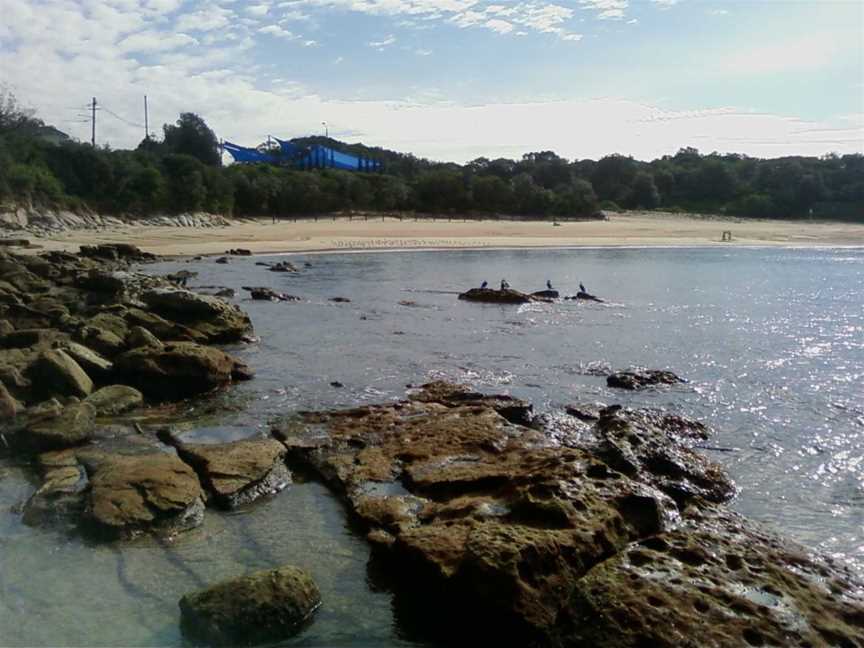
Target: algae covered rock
216	319
138	493
72	426
717	580
264	606
56	372
114	399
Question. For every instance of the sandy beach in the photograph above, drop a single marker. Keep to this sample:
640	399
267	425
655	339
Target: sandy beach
377	233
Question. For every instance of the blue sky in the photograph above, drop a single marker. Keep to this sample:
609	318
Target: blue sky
454	79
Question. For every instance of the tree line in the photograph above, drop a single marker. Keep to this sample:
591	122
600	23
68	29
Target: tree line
183	172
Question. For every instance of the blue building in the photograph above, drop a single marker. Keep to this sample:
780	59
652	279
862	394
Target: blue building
299	157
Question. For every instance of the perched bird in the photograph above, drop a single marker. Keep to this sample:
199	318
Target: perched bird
484	284
549	284
504	284
582	287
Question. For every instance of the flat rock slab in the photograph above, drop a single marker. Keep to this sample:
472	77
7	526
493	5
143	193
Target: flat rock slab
115	399
71	426
134	494
57	372
264	606
240	472
506	296
520	536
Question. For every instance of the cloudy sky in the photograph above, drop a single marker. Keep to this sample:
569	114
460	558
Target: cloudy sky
453	79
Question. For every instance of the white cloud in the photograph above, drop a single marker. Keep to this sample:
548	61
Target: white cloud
665	4
717	12
389	40
278	32
611	14
811	52
213	17
423	52
498	25
149	41
258	9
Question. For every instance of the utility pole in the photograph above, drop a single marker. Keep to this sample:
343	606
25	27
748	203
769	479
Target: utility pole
146	124
93	125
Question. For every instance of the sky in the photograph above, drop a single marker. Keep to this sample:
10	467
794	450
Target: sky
452	80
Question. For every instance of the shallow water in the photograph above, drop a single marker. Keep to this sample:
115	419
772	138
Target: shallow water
770	340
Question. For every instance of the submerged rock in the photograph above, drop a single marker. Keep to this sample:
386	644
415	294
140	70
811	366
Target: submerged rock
264	606
586	297
641	378
548	294
263	293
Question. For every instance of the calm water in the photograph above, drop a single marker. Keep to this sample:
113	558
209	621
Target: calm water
771	341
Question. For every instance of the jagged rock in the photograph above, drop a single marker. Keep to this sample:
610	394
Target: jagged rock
148	492
586	297
116	251
653	447
179	369
141	337
717	580
218	320
491	296
264	606
223	260
72	426
641	378
115	399
239	472
55	371
283	266
111	282
92	363
587	412
113	322
162	328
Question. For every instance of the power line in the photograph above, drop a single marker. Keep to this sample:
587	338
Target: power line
122	119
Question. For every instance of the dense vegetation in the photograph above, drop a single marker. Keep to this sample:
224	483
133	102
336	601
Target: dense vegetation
183	173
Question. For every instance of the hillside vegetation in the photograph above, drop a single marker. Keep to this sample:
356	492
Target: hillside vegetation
183	173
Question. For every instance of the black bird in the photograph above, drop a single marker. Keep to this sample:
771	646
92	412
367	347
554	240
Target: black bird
504	284
549	284
582	287
484	284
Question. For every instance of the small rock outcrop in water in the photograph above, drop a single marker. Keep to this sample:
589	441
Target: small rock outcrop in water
264	606
506	296
527	535
641	378
548	294
585	296
263	293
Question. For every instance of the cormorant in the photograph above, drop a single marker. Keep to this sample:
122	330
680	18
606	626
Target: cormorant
484	284
582	287
548	284
504	284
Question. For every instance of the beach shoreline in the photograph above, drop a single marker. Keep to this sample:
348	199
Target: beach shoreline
327	235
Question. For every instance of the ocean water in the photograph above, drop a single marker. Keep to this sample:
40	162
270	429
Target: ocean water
771	342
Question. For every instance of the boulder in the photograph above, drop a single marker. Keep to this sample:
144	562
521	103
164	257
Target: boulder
239	472
140	493
5	327
141	337
41	338
263	293
102	340
586	297
72	426
179	369
93	363
717	580
264	606
215	318
547	294
641	378
61	497
115	399
55	371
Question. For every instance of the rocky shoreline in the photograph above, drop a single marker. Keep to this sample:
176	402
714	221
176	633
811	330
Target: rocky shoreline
598	526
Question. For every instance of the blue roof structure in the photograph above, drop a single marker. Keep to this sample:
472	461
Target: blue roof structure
314	157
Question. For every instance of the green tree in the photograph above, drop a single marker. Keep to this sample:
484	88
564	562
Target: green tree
643	192
191	136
